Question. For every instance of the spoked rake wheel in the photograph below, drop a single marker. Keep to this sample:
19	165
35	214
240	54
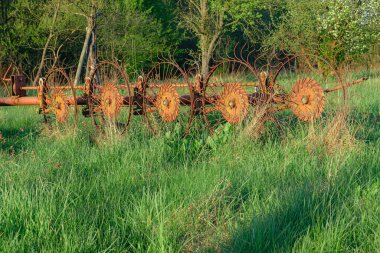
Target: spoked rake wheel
233	103
230	89
168	103
168	99
58	99
307	99
110	101
110	98
304	82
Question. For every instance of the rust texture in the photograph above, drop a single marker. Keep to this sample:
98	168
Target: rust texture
59	105
168	103
307	99
107	90
110	101
233	103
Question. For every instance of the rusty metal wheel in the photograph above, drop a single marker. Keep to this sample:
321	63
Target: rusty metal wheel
109	98
110	101
168	103
58	101
168	99
301	84
307	99
233	103
231	93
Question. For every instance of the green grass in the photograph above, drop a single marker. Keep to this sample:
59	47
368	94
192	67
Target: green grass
74	192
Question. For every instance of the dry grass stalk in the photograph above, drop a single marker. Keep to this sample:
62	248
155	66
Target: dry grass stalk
334	137
205	224
53	131
112	135
256	123
314	140
338	138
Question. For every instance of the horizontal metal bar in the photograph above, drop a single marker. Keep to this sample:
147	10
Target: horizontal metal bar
29	88
185	100
13	101
185	85
20	101
135	85
80	101
339	87
53	87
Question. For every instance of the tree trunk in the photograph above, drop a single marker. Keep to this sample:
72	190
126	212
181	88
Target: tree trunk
83	54
204	40
89	64
87	41
92	60
42	63
208	38
205	60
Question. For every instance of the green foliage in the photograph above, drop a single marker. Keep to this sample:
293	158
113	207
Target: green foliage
346	30
130	36
245	13
296	30
220	137
136	32
339	31
127	32
165	11
22	33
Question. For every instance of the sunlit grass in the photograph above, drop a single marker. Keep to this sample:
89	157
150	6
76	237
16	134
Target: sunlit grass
77	191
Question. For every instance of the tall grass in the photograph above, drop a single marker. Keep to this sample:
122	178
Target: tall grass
73	191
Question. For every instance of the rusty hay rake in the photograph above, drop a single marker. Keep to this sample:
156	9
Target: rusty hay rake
169	95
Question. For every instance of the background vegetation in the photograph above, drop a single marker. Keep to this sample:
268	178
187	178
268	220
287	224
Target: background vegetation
137	32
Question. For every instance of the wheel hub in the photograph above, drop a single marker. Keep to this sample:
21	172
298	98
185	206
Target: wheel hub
305	100
232	104
166	102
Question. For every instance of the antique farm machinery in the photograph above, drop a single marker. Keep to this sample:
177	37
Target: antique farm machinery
170	96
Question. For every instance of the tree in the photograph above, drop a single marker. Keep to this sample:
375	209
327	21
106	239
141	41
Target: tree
132	35
49	38
347	29
254	17
127	31
28	28
209	19
21	32
121	31
206	19
88	10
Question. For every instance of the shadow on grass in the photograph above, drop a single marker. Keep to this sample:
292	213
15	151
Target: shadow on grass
315	203
366	126
280	228
14	139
